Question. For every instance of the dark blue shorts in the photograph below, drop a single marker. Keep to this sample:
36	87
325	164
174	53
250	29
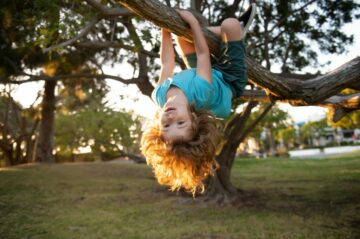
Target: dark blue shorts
230	62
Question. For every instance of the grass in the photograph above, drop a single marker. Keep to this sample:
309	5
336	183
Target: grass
318	198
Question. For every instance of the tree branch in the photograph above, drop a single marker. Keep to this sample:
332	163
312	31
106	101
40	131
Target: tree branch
283	20
103	12
143	82
108	44
106	12
33	78
83	32
341	102
231	10
245	132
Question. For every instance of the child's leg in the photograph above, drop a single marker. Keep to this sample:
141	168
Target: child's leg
230	30
186	47
231	58
187	51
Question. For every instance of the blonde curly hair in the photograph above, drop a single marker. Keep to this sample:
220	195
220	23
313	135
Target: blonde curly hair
184	164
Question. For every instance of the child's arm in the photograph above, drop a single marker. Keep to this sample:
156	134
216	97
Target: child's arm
203	66
167	56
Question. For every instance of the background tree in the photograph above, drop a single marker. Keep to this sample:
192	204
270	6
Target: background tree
291	33
17	130
288	136
29	27
311	132
271	124
109	133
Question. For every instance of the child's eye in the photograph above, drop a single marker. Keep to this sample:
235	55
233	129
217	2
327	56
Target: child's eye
167	125
180	122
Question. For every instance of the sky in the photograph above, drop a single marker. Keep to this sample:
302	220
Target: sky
143	105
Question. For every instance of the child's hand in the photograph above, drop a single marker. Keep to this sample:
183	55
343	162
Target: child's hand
187	17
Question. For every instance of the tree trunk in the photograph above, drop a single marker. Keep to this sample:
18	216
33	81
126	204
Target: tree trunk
220	188
18	152
46	134
196	5
272	142
31	143
30	148
8	152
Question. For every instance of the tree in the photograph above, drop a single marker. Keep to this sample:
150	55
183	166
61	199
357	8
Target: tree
288	137
29	27
289	28
311	131
17	130
272	124
292	89
108	132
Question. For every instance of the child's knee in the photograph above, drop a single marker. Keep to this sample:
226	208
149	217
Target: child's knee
230	24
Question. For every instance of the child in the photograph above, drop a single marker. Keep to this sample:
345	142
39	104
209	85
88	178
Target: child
181	144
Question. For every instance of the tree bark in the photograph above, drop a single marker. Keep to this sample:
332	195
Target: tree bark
196	5
220	188
8	152
272	143
46	133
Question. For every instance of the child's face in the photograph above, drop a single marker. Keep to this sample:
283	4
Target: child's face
175	122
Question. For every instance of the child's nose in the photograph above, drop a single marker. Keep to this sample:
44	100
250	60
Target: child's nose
170	116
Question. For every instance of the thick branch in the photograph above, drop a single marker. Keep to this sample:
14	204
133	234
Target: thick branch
152	9
311	91
350	101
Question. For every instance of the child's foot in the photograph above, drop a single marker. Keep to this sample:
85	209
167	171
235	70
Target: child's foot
246	19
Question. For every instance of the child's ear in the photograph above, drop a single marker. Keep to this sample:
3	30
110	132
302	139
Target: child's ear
194	116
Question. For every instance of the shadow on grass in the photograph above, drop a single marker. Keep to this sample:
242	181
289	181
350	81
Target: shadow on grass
342	208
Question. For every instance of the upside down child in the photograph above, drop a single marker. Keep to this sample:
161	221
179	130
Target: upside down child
181	144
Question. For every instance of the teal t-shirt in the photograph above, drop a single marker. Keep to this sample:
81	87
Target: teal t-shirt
215	97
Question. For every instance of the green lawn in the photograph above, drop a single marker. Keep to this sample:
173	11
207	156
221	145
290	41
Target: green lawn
318	198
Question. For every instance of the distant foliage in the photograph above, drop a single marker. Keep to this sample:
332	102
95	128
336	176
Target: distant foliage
312	129
292	33
101	128
276	120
